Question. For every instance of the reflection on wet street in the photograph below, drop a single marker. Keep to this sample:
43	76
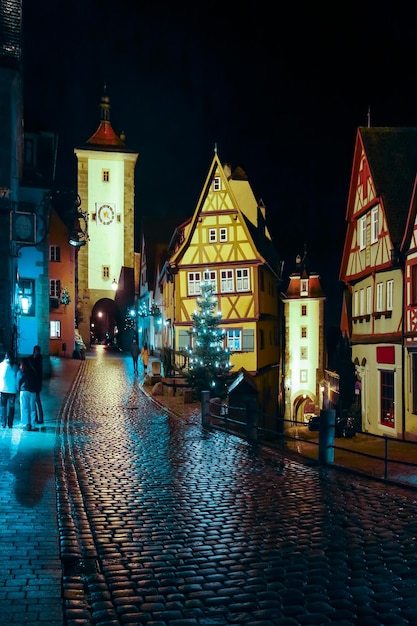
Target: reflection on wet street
191	527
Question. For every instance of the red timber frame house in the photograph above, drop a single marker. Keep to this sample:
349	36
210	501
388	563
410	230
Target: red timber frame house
377	269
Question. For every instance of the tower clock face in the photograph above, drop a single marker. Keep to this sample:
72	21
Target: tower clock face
106	214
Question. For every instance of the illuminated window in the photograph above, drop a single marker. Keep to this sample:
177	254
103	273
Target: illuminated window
242	280
226	281
362	302
304	332
413	294
362	232
26	295
234	340
390	294
217	183
54	253
304	310
210	276
54	288
387	417
106	176
304	287
379	294
355	303
374	225
212	235
223	234
303	376
369	300
54	329
194	280
106	271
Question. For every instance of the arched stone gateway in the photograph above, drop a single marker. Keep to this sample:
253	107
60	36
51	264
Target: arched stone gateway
106	324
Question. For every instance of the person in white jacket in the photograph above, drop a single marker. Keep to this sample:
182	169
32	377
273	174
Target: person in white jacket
8	390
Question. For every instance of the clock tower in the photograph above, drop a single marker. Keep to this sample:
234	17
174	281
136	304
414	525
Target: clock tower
106	168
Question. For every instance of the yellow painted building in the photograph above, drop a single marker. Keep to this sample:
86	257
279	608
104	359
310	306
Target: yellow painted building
227	242
105	168
304	348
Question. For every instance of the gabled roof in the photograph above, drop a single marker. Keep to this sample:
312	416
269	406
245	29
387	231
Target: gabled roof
391	154
244	205
392	158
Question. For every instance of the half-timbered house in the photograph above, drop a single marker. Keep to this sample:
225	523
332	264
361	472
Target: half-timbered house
382	182
227	242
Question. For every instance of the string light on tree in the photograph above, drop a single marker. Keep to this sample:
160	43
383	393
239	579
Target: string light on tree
209	360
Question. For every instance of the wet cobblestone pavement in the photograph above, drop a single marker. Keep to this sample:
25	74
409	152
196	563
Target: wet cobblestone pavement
165	524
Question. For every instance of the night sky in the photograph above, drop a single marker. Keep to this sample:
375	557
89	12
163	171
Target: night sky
280	88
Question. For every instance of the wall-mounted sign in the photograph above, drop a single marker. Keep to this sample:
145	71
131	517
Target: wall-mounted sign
23	227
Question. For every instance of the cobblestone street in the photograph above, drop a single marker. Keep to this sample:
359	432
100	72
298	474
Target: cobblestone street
168	524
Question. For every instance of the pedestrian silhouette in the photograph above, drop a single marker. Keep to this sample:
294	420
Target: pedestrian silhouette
134	350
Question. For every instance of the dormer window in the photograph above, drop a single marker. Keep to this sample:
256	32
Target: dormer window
217	183
304	287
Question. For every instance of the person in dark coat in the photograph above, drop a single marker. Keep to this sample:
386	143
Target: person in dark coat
36	360
27	383
134	351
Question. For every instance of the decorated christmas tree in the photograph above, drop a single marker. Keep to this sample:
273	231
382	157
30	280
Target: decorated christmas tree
209	361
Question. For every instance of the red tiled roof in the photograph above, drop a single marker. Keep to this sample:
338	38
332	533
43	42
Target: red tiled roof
105	136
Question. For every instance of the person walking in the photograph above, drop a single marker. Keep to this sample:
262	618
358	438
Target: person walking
8	389
134	350
36	361
144	355
27	383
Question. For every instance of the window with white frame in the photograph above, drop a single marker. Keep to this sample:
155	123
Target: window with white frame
217	183
54	329
368	300
303	353
194	280
374	224
390	294
223	235
355	303
55	254
303	332
304	287
379	297
234	340
242	280
212	235
54	288
362	232
303	376
210	277
226	281
362	302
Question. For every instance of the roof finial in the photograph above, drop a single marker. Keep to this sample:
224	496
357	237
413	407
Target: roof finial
215	147
369	116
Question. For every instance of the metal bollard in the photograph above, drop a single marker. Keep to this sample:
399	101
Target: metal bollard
205	409
326	436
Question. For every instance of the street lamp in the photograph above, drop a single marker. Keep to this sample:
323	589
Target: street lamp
114	285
